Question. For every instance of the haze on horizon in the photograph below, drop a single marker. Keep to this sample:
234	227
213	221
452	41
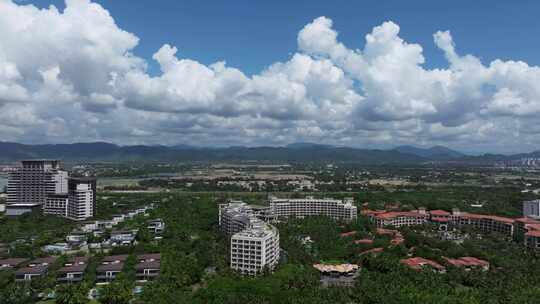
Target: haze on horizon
74	72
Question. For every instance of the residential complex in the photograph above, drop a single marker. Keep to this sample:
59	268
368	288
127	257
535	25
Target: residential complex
525	229
255	242
43	184
309	206
485	223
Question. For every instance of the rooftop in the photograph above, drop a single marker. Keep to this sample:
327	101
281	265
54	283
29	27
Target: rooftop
341	268
418	263
467	262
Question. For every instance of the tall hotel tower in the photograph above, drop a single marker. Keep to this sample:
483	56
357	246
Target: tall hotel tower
35	181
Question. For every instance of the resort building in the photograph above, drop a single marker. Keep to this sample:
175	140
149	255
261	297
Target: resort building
255	249
148	267
234	217
82	198
34	180
419	264
254	244
342	275
73	270
110	267
468	263
45	184
56	204
35	269
343	210
482	222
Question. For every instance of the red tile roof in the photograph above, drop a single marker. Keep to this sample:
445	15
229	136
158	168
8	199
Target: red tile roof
374	251
418	263
467	261
393	214
488	217
440	213
347	234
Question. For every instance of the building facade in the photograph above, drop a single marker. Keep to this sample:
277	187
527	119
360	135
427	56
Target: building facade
255	249
81	198
35	180
56	204
254	244
337	209
44	183
532	209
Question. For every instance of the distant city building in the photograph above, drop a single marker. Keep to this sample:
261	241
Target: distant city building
44	183
309	206
532	208
35	180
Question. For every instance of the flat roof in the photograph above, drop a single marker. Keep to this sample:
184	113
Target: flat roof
22	205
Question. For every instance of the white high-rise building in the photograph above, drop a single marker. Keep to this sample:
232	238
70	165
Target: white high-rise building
309	206
81	198
255	249
254	245
532	208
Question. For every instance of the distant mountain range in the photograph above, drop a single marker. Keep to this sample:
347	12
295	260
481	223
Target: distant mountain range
436	152
298	152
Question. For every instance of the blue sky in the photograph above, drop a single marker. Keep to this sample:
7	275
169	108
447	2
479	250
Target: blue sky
370	74
251	35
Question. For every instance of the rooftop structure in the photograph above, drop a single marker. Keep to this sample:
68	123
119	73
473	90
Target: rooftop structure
468	263
419	263
11	263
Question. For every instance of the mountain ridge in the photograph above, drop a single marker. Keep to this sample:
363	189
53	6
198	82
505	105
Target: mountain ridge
296	152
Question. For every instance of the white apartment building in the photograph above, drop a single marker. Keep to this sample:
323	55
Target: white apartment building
255	249
254	245
309	206
82	198
56	205
234	217
532	208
